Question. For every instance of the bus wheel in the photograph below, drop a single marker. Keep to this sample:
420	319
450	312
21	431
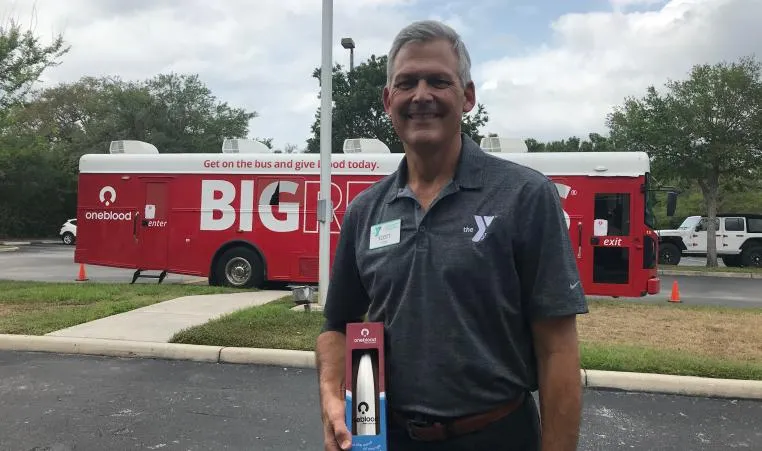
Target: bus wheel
669	254
240	267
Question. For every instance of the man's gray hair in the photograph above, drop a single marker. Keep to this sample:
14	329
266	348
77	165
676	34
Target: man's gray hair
428	30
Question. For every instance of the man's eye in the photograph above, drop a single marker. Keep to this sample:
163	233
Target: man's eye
439	83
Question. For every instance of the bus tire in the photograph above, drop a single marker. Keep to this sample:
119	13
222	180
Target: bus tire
669	254
240	267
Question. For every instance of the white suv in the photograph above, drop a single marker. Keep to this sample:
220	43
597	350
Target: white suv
739	240
68	232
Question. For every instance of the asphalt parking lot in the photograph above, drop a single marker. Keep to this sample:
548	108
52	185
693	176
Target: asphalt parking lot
55	263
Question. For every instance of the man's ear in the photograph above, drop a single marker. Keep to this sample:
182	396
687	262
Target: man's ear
469	94
387	101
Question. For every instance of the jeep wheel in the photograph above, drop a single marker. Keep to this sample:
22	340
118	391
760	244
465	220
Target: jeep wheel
732	261
669	254
752	256
240	267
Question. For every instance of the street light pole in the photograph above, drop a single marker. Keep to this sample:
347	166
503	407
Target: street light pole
325	209
349	43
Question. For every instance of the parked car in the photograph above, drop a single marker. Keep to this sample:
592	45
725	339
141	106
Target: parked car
738	242
68	231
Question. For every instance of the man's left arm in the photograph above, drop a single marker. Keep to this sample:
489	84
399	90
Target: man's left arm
552	297
558	371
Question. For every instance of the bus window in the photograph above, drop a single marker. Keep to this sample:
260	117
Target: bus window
615	209
611	265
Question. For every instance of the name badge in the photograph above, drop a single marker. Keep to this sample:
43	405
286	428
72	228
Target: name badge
385	234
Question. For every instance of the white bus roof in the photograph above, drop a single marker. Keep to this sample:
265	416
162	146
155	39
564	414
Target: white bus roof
605	164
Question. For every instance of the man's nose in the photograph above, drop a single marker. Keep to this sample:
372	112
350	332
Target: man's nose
422	92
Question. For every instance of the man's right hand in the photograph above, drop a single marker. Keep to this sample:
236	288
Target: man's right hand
336	436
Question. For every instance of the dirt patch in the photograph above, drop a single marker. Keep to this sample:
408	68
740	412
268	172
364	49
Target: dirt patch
732	333
7	310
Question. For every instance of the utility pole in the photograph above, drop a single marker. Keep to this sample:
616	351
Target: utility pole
325	209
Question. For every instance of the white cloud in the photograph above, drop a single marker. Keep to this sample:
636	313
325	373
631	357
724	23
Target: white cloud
597	59
623	4
251	53
260	54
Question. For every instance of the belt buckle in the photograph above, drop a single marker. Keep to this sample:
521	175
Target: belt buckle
410	424
442	430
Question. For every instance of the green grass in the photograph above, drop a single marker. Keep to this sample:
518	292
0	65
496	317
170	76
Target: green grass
616	336
639	359
273	325
36	308
666	338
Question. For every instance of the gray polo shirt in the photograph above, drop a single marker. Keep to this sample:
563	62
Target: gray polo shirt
456	286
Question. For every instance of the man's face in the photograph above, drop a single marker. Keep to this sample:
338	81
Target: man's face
425	100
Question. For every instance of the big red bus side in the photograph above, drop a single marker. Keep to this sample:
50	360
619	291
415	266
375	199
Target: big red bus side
243	219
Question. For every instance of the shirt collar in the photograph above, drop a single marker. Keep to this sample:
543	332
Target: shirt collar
468	173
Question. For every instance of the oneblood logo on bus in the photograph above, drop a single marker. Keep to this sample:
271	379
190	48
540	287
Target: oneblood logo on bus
280	205
107	196
109	215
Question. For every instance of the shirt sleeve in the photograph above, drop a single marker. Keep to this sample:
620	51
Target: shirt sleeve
346	300
547	267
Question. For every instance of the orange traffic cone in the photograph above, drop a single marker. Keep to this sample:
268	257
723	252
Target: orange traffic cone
82	276
675	293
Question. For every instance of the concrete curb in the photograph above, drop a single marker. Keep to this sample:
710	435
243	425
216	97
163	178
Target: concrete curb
678	385
728	275
29	242
6	248
639	382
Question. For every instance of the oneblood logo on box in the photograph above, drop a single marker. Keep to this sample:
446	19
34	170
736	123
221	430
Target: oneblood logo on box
365	338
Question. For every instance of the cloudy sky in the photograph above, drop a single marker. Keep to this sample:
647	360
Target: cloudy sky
546	69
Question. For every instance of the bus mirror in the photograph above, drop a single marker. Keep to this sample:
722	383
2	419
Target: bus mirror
671	203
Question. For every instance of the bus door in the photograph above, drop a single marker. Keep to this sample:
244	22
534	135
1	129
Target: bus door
152	225
615	248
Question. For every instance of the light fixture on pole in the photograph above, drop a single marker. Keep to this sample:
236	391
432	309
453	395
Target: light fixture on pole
349	43
325	209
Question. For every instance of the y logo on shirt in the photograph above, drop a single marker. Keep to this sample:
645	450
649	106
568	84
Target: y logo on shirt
482	223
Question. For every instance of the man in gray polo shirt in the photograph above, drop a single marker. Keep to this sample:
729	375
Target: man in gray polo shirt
466	259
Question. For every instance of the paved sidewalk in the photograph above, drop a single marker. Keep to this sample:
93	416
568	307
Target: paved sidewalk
159	322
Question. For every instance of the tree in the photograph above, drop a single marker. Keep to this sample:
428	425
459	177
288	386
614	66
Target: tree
359	110
41	148
595	143
704	130
189	118
22	60
176	113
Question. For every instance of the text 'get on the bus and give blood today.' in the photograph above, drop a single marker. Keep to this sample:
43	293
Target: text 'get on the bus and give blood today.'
290	164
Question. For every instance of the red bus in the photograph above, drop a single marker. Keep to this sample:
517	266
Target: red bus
247	216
